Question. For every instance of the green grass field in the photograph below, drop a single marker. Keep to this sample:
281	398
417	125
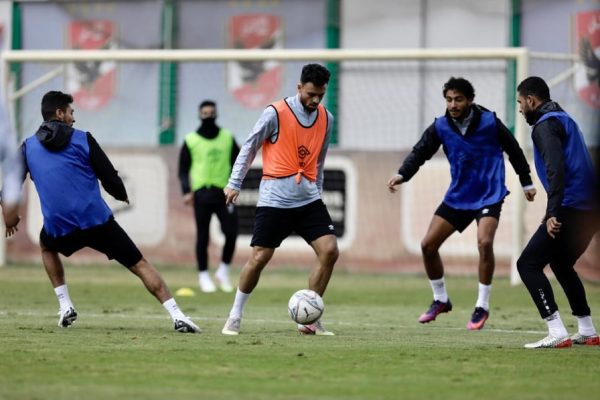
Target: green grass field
123	345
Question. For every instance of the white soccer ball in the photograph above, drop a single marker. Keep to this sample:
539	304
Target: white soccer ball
305	306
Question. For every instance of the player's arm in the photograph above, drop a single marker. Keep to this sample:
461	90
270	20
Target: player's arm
12	172
547	137
517	159
425	148
265	129
185	163
104	170
323	153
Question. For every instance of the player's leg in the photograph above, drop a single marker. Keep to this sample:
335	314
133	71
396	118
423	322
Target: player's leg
271	226
54	269
440	229
229	226
112	240
202	214
487	225
538	253
249	276
313	223
576	236
327	252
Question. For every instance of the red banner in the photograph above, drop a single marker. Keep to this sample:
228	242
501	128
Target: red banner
92	83
587	78
255	83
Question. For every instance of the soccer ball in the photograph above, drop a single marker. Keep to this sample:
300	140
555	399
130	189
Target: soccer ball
305	306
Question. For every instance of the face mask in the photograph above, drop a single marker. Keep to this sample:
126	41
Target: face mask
210	121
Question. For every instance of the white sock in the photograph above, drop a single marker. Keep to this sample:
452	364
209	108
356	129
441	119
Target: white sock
173	309
483	299
238	304
204	275
223	269
556	328
439	289
62	294
586	327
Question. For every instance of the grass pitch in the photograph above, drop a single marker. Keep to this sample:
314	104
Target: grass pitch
123	345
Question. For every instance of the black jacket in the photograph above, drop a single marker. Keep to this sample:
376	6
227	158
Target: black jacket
185	158
55	135
548	137
430	142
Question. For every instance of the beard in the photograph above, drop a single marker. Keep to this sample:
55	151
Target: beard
530	116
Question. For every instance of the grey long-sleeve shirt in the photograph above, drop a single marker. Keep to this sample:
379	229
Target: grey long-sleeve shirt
283	192
9	157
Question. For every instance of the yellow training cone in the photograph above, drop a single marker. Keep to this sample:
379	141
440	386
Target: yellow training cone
185	292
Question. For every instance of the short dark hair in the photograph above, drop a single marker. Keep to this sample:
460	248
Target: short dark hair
460	85
534	86
317	74
207	103
54	100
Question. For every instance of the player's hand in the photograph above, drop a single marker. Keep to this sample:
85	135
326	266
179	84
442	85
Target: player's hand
11	230
553	227
530	194
231	195
11	226
394	180
188	199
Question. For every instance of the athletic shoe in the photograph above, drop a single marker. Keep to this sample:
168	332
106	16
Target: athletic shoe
589	340
480	315
316	328
222	278
67	317
550	342
206	285
185	325
436	308
232	326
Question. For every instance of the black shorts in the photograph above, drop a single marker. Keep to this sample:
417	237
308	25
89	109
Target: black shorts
460	219
108	238
272	225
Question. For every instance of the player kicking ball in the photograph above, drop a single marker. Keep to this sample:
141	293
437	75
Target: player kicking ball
294	135
65	165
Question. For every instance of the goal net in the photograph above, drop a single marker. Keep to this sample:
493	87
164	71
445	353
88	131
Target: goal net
140	104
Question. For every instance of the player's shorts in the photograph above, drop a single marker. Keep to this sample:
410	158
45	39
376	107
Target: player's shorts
108	238
460	219
272	225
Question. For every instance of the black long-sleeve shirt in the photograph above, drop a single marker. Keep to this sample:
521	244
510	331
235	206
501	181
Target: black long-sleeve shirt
185	159
430	142
548	137
100	163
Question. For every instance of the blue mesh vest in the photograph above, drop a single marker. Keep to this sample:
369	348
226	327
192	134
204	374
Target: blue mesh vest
476	164
67	186
579	170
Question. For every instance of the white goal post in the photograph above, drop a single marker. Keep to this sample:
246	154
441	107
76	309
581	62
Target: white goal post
520	56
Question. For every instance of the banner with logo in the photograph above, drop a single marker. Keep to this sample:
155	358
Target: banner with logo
255	83
92	83
587	36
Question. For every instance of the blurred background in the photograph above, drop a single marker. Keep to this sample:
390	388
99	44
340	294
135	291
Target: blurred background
140	111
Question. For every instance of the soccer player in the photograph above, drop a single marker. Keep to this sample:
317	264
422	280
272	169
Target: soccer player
565	169
474	140
205	162
65	165
294	134
11	172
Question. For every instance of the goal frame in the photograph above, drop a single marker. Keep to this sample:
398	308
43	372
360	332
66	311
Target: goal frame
519	55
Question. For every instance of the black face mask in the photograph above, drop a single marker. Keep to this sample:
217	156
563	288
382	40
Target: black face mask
207	122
